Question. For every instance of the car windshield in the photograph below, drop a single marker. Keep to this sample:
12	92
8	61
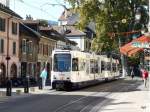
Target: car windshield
62	62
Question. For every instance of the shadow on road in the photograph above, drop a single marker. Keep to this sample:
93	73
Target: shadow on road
120	85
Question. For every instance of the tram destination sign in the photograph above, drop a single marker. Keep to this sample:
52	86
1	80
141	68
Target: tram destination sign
141	44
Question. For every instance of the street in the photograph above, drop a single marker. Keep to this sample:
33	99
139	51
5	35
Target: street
90	99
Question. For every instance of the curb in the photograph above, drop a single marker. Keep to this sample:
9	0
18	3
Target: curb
2	93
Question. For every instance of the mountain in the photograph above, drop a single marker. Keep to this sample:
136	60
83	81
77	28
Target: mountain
50	22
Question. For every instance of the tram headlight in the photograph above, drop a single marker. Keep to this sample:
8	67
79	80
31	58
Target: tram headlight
68	78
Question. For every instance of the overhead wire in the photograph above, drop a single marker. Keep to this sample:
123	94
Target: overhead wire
39	8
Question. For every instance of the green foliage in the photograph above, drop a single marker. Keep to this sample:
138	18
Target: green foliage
134	60
43	22
108	16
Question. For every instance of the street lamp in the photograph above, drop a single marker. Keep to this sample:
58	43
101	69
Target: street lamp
0	71
9	82
26	80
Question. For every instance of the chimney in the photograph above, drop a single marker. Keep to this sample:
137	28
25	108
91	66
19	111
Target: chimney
5	2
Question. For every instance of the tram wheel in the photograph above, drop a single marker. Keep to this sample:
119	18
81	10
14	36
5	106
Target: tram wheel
106	79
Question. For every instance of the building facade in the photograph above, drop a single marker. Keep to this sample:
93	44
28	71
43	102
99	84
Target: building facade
9	43
84	38
29	40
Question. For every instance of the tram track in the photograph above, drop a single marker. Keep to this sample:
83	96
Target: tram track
90	99
97	99
93	96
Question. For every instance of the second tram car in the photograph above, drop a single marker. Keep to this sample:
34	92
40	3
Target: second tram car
75	69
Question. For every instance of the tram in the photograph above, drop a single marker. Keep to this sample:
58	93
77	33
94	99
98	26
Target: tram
76	69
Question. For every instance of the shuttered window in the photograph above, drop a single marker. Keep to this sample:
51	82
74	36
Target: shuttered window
14	28
24	46
1	46
14	48
2	24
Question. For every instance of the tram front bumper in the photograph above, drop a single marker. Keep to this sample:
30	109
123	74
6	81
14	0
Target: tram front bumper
61	84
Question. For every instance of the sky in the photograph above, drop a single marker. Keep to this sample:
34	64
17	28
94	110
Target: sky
38	9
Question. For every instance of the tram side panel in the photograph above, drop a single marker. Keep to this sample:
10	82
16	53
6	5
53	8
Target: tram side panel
81	69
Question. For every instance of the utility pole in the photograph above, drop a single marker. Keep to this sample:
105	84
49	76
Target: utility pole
9	83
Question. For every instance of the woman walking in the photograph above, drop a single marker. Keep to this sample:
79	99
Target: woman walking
44	77
145	76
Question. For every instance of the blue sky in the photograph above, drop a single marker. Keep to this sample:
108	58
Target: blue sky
34	7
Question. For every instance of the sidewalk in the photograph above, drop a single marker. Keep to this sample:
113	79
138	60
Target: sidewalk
20	91
133	101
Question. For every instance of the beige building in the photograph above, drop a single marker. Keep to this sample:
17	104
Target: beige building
45	46
9	43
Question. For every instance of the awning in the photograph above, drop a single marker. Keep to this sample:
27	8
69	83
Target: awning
142	39
129	50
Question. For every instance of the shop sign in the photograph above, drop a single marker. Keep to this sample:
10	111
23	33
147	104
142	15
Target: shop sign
141	44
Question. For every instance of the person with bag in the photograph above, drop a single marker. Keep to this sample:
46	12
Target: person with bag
44	77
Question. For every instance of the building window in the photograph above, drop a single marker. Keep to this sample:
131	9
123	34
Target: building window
47	50
43	49
1	46
24	46
14	28
2	24
14	48
30	47
40	48
50	50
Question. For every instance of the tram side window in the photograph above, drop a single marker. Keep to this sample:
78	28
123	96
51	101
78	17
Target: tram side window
92	66
96	67
102	66
87	66
108	66
75	64
114	67
82	65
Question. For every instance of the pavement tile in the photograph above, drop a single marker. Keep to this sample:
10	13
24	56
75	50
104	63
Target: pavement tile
133	101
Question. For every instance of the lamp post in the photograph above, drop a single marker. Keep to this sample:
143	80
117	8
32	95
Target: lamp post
8	82
26	80
0	71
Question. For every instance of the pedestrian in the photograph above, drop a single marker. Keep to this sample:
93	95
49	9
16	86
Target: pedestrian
132	73
145	76
43	75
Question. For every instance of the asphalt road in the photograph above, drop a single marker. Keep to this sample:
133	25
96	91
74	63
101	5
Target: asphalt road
89	99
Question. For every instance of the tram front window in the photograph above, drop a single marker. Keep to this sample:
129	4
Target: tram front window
62	62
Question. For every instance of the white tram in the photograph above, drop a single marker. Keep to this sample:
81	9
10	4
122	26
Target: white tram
75	69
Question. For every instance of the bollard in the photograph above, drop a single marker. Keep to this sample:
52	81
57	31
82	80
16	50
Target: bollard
26	85
8	87
40	83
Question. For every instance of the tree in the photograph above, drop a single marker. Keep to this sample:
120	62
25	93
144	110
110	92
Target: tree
43	22
109	16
